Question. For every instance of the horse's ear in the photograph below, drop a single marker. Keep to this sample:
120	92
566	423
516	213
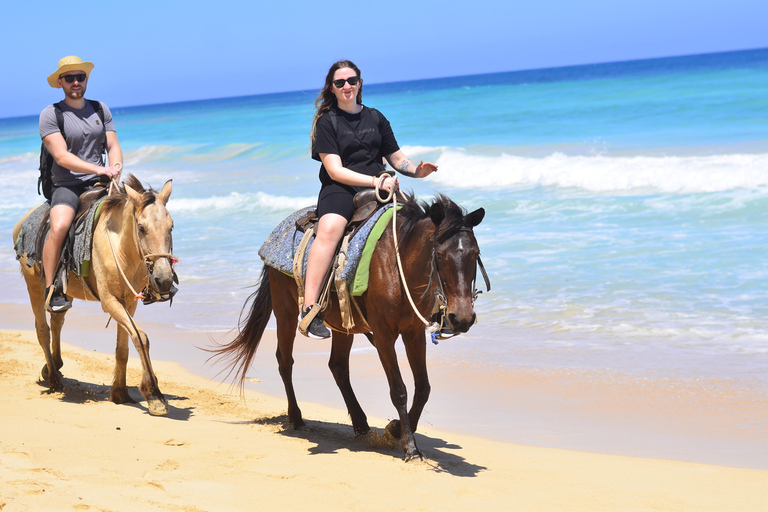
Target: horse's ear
134	196
165	193
436	213
475	218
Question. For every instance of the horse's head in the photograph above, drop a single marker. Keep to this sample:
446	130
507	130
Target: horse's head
455	258
153	231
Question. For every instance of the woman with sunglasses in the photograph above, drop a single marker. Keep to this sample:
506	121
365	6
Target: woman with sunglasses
351	149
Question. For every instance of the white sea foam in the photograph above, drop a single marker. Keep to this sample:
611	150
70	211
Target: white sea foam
244	202
599	173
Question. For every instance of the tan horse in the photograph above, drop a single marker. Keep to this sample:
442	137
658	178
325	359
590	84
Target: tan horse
132	247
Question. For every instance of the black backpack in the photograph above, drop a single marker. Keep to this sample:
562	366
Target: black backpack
45	181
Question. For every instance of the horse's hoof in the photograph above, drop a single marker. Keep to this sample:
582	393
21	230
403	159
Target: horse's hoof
362	430
393	429
120	396
157	408
410	456
52	380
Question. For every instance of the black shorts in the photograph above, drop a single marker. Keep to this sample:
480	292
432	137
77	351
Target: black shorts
336	198
70	194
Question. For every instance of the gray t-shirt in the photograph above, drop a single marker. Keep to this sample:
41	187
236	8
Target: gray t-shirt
83	132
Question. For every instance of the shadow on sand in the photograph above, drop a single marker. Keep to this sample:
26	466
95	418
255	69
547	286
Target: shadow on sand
79	392
329	438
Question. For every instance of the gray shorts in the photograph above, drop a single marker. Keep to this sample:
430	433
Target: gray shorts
70	194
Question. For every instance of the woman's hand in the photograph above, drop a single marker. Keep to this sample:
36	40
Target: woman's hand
387	183
424	169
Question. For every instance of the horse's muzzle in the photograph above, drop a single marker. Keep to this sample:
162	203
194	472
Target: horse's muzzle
461	323
161	279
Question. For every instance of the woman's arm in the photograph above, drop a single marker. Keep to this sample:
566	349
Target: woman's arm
341	174
404	166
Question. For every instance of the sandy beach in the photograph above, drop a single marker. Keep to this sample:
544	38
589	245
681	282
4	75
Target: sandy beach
218	451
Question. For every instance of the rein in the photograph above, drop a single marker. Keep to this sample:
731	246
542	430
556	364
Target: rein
147	258
432	327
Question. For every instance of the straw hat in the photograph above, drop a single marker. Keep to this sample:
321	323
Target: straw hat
71	63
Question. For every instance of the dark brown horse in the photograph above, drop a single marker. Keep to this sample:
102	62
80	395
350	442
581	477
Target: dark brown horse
439	256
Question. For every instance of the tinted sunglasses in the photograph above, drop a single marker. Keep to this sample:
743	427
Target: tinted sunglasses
353	80
80	77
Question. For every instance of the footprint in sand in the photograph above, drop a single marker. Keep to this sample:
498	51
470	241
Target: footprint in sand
173	442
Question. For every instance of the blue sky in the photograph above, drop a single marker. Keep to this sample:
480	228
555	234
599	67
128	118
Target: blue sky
158	51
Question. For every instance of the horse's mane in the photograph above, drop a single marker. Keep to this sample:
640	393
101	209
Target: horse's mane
415	210
117	200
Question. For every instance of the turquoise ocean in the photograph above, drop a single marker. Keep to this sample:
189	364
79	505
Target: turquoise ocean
627	205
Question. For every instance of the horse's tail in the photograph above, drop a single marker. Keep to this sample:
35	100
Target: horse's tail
240	351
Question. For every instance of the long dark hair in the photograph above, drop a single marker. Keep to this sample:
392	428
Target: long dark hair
327	100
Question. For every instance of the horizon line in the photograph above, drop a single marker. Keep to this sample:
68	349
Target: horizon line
422	79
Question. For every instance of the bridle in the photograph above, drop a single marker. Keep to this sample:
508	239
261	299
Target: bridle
434	275
149	294
432	327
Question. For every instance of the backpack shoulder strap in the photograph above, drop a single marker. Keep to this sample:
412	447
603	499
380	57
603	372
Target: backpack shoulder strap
100	112
59	118
334	120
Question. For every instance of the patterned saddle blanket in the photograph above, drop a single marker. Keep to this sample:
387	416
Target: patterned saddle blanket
279	249
80	263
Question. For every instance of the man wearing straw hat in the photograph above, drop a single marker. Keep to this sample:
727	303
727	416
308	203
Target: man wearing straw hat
75	133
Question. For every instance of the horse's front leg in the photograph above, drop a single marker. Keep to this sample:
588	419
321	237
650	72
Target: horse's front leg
398	394
339	365
416	350
123	315
119	392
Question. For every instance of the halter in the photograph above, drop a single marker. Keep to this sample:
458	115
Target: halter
434	272
432	327
149	294
440	295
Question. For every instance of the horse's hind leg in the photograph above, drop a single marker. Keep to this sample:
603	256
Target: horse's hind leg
50	371
57	322
119	392
286	310
339	365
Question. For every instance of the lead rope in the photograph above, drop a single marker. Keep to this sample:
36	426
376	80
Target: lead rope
136	295
431	327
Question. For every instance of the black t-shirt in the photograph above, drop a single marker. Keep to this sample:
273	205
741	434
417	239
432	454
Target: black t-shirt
358	140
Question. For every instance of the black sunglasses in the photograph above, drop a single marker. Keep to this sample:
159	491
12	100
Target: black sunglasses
80	77
353	80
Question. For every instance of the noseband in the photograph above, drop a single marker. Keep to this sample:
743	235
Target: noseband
149	294
434	273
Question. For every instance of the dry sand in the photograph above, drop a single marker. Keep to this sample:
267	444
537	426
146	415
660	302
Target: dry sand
216	451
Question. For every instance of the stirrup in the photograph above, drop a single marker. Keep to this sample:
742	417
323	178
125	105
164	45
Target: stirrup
308	316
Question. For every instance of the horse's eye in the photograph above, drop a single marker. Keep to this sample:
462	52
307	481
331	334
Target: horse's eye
142	230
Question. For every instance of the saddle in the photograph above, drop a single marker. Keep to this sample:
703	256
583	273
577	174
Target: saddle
76	251
366	204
